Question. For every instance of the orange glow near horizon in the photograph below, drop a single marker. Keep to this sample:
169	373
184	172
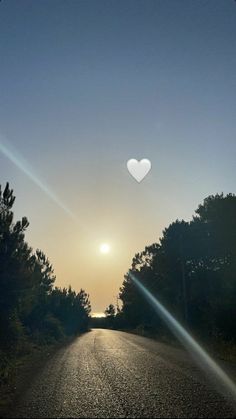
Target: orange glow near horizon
90	104
98	315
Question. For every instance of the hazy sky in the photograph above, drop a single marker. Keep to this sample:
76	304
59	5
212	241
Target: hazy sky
86	85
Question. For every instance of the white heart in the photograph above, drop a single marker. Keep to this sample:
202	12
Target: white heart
138	169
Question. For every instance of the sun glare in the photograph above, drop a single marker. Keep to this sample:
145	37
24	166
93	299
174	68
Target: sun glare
104	248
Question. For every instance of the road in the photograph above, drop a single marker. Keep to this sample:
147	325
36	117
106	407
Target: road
107	373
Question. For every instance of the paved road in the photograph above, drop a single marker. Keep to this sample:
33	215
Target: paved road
107	373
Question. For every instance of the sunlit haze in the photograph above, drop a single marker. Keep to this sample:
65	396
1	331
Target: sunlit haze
87	85
105	248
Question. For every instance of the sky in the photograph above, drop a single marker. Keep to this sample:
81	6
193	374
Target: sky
87	85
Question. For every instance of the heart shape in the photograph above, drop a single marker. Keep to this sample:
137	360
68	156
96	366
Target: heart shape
138	169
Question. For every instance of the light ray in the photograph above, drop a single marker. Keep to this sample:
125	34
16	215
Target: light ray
23	165
202	358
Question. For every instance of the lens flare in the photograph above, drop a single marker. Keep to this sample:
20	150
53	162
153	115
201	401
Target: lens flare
23	165
225	385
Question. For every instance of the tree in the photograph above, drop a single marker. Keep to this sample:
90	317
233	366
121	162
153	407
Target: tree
31	308
16	269
191	271
110	313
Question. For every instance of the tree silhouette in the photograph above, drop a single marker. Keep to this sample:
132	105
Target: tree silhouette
110	313
191	271
31	308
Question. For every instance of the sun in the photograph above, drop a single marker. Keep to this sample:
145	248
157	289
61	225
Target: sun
104	248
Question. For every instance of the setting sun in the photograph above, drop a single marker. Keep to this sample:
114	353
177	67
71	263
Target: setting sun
104	248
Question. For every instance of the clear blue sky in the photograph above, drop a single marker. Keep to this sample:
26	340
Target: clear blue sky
86	85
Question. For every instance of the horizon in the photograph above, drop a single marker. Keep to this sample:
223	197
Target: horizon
102	83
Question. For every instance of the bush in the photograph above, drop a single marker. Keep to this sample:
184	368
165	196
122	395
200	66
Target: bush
53	327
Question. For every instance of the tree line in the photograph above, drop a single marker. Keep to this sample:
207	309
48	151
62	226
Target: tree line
32	309
192	271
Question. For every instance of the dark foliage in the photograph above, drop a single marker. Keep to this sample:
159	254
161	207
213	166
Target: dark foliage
192	271
32	310
110	313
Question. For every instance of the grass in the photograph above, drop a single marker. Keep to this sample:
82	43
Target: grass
225	351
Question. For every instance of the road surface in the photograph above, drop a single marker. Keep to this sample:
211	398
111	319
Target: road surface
107	373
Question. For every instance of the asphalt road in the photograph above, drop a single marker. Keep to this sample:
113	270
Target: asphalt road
108	373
